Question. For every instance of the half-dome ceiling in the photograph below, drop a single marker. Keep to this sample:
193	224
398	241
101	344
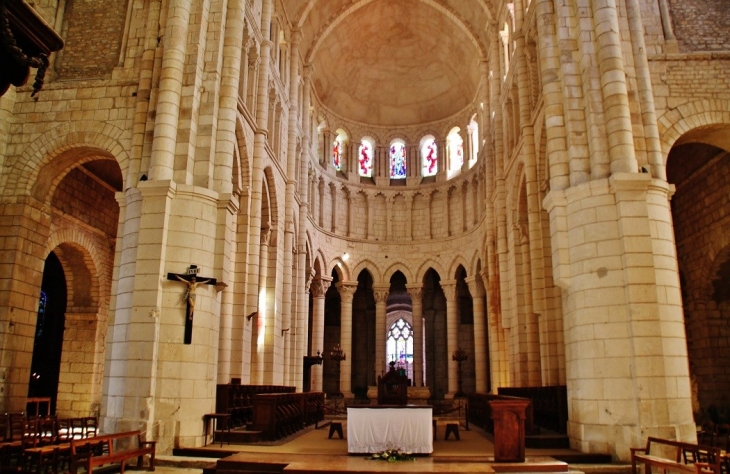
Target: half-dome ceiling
394	62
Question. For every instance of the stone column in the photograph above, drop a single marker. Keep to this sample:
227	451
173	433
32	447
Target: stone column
416	292
259	345
619	129
347	292
381	297
302	285
320	286
170	91
452	334
476	288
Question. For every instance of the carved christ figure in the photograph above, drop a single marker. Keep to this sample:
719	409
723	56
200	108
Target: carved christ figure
191	281
190	293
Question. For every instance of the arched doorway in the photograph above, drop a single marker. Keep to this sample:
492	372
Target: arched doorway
698	166
46	361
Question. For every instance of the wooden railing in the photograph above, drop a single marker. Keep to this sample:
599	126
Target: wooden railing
237	400
278	415
549	405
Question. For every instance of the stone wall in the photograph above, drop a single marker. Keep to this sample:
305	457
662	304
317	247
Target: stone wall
93	34
701	25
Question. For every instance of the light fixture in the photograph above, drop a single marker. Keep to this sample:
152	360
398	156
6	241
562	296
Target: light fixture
345	257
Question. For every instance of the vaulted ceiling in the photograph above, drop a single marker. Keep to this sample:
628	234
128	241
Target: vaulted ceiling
393	62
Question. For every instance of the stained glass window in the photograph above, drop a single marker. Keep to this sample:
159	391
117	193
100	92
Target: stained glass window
455	147
429	157
397	161
365	159
400	345
337	154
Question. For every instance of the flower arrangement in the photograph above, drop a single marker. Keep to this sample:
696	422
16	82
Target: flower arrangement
392	455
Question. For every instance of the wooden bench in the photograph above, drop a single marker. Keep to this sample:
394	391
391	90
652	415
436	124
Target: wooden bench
676	456
101	450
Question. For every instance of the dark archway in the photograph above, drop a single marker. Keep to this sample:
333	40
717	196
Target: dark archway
434	317
46	363
363	336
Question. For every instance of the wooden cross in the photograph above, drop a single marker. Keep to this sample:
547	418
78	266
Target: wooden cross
192	280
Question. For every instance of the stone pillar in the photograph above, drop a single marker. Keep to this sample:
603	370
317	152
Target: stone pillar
616	109
291	212
347	293
625	351
452	334
416	292
381	297
170	91
302	285
476	288
320	286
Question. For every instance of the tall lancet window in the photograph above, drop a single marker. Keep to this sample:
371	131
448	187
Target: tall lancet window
429	157
365	158
474	138
455	151
400	346
337	154
398	160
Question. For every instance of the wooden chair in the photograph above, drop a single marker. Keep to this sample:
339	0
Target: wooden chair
91	426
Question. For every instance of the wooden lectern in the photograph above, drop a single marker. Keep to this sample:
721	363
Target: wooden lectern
392	388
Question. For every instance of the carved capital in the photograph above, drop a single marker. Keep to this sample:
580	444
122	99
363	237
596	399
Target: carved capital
415	292
320	286
449	288
475	287
347	290
381	293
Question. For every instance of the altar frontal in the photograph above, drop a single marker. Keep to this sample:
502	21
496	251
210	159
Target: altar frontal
375	428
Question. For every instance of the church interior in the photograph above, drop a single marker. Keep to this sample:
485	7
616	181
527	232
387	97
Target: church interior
484	195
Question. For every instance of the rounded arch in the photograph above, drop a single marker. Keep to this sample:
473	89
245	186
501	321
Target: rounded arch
702	118
60	149
96	264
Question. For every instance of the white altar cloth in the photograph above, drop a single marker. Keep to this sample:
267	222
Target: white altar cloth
372	429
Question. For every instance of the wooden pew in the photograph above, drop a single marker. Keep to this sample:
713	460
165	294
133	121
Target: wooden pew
676	456
100	450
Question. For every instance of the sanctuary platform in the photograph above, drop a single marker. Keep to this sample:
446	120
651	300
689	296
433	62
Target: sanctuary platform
304	463
312	451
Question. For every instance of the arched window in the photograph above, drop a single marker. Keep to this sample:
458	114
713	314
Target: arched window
429	156
400	345
397	160
365	158
455	152
338	149
474	139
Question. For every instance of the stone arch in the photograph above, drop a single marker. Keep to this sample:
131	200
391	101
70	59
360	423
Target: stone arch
371	267
398	266
708	116
340	266
456	262
63	148
96	264
426	266
242	158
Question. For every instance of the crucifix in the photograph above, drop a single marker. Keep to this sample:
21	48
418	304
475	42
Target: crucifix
190	278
